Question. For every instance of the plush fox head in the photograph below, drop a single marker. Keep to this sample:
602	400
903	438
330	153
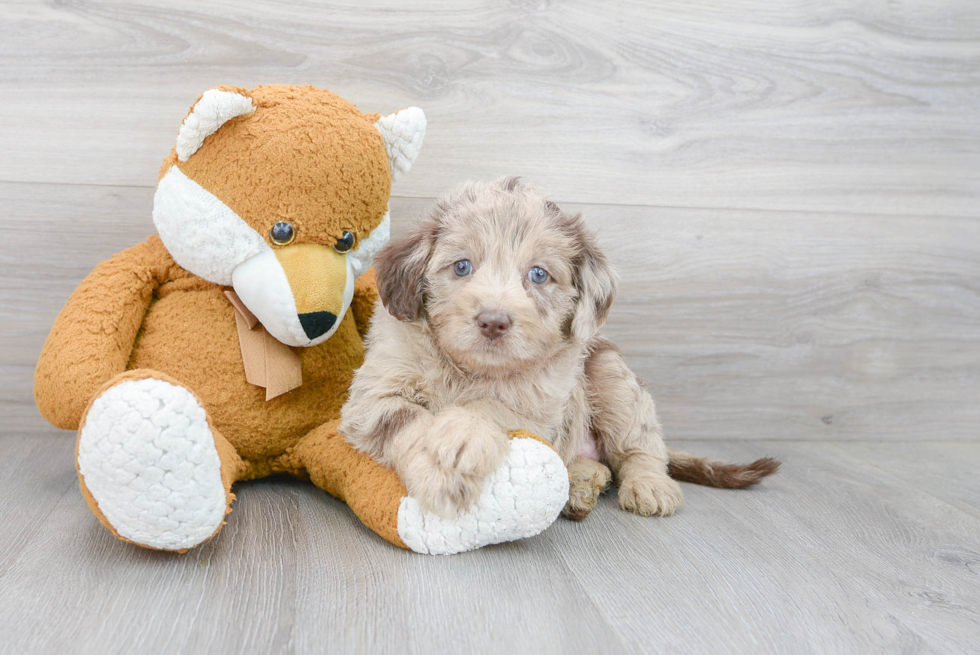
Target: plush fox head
282	193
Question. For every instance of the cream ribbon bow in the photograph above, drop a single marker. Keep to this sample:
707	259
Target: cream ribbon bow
268	362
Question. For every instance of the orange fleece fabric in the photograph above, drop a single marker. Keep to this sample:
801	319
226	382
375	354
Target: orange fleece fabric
305	156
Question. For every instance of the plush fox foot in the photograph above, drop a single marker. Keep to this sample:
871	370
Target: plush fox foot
520	499
149	464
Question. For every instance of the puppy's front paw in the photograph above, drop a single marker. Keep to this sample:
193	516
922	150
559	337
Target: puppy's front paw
650	495
466	446
445	492
462	451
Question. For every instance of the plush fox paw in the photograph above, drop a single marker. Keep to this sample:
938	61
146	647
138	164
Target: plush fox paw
149	467
521	498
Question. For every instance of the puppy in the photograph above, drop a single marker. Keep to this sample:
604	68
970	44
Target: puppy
491	310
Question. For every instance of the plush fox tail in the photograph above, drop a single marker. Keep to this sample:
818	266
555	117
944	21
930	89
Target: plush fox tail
701	470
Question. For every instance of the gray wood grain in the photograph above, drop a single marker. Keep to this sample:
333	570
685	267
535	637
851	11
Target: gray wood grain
790	192
748	325
800	325
949	472
836	105
835	554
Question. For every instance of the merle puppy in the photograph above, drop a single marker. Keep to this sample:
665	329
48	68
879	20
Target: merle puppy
492	309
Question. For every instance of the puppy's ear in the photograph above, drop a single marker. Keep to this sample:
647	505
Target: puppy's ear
400	270
595	281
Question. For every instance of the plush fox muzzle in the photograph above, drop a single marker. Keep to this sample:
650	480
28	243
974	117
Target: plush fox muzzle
299	292
317	276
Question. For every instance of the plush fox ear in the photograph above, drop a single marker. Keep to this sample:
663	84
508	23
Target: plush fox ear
215	108
403	133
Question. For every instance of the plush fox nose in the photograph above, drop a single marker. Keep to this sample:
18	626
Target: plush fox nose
492	324
316	324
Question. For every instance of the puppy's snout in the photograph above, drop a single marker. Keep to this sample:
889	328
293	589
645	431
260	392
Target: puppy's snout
493	324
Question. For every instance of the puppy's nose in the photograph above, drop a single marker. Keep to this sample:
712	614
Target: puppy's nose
493	324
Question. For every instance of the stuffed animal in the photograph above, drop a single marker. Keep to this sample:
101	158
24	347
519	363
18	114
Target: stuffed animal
222	349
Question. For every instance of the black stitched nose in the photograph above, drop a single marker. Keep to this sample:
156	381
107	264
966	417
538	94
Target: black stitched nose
493	325
316	324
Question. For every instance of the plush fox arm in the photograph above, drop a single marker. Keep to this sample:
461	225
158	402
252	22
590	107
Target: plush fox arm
365	295
93	336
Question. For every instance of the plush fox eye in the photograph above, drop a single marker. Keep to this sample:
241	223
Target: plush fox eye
345	243
537	275
282	234
463	267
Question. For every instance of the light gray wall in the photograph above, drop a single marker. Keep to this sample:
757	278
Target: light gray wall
791	191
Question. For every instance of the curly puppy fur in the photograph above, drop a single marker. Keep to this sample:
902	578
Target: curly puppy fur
473	345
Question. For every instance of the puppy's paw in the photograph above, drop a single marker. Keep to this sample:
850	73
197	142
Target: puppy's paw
467	444
587	480
446	492
650	495
446	476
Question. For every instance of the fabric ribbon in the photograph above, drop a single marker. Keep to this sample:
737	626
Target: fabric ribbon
269	363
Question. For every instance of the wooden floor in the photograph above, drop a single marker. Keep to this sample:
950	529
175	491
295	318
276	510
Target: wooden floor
853	548
791	193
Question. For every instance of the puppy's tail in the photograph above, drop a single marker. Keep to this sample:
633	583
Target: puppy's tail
710	473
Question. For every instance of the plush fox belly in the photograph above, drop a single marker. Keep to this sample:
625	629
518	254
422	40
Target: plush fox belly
189	333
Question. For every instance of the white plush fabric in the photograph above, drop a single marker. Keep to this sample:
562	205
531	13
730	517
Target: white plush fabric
148	458
366	250
214	109
261	284
522	498
348	298
202	233
403	134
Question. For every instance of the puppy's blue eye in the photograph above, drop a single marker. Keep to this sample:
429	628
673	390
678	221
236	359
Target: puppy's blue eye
538	275
463	267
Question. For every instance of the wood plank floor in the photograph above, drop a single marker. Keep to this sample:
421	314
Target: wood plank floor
851	549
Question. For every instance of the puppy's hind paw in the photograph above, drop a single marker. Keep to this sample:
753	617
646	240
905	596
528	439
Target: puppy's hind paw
650	495
587	480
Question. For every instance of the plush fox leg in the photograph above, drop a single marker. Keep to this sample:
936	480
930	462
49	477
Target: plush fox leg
372	491
152	467
520	499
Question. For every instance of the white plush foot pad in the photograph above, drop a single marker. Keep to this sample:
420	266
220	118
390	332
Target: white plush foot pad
520	499
147	456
